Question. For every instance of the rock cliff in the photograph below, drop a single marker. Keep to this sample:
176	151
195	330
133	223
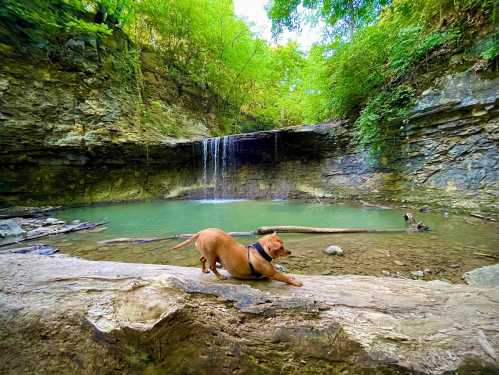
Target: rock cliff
70	133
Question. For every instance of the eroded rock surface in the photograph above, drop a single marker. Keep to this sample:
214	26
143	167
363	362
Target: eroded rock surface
483	276
65	315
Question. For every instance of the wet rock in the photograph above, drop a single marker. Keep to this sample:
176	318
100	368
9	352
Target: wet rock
166	319
399	263
21	211
334	250
385	273
280	268
41	249
417	273
53	221
74	44
483	276
10	228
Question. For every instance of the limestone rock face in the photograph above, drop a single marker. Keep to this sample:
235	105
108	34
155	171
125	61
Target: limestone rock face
69	133
65	123
67	315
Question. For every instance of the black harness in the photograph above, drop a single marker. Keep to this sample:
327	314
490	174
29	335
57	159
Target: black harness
264	255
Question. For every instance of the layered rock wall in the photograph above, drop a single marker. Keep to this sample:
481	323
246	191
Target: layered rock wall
70	133
448	155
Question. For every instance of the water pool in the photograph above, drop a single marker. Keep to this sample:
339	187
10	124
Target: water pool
445	252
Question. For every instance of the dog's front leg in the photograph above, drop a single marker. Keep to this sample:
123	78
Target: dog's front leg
285	278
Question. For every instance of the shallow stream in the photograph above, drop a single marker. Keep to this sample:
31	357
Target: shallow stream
446	252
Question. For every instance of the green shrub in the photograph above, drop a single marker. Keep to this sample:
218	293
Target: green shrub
378	125
42	22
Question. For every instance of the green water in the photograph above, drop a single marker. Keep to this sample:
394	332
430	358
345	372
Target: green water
163	217
447	251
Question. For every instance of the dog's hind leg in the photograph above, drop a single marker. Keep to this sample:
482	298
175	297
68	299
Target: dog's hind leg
203	264
213	268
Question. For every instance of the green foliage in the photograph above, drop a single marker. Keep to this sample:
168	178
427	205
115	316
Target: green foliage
363	72
343	16
379	123
489	48
370	48
43	22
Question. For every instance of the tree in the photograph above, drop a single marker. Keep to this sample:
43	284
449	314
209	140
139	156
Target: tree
342	16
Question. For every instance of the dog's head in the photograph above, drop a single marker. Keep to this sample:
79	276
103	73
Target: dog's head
274	245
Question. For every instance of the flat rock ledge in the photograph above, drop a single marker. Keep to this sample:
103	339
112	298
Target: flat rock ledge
64	315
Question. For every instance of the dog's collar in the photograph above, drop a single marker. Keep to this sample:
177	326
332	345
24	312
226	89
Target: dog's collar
261	251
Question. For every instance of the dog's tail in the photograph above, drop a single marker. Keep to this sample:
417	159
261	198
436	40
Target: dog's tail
186	242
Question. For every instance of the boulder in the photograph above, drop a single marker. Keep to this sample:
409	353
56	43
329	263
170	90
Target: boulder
10	228
69	315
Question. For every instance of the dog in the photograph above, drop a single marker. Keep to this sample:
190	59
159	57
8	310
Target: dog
252	262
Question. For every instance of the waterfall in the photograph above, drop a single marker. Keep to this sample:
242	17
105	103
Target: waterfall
215	144
218	162
205	163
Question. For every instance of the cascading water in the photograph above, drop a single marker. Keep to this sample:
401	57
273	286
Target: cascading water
205	163
219	163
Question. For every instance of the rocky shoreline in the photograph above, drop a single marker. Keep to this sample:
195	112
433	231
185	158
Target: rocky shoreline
61	314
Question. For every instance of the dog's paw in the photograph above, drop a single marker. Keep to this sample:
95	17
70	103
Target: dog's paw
205	271
297	282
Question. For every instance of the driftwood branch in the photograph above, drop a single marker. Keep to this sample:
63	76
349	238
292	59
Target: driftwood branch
298	229
486	255
479	216
233	234
124	240
121	240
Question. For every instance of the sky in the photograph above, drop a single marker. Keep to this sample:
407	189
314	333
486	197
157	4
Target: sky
253	11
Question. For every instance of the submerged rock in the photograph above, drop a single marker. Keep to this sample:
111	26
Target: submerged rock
483	276
66	314
41	249
334	250
53	221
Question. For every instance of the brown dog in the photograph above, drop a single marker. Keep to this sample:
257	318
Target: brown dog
252	262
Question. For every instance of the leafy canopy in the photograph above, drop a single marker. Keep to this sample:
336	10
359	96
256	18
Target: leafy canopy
362	70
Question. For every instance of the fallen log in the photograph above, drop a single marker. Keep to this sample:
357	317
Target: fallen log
372	205
233	234
486	255
117	241
299	229
479	216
